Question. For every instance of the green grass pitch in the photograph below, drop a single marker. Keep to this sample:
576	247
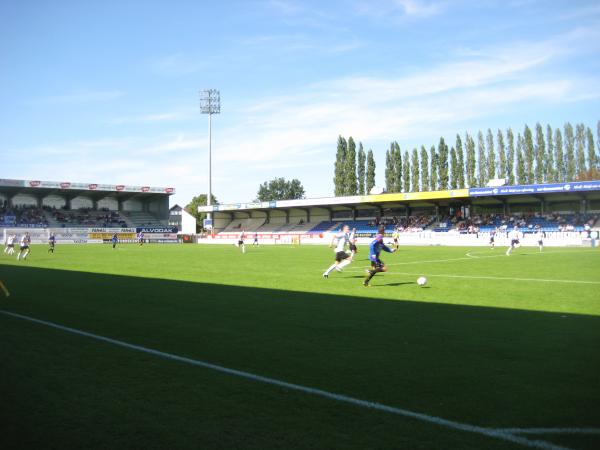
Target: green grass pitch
492	341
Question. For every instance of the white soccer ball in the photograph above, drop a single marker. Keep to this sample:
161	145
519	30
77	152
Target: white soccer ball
421	281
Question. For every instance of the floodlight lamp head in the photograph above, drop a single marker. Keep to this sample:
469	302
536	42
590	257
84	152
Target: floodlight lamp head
210	101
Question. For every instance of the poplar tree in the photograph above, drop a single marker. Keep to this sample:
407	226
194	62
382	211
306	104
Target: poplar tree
397	163
569	153
510	157
491	156
433	178
406	171
470	142
529	157
370	171
389	169
424	169
550	153
362	157
351	182
460	175
414	167
501	155
561	173
580	143
481	162
442	164
521	170
453	169
340	167
592	158
540	154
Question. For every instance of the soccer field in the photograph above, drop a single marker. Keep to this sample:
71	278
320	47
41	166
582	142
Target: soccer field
203	347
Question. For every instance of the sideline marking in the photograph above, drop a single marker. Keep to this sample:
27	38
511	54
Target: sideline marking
489	432
483	277
6	293
550	430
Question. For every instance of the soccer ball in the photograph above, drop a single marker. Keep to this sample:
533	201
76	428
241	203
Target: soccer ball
421	281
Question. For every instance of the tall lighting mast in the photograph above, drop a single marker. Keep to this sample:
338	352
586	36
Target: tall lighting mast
210	103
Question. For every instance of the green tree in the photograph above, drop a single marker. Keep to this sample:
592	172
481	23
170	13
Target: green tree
460	174
561	173
192	208
481	162
540	154
280	189
521	169
510	156
453	169
529	155
362	157
491	156
433	177
580	143
569	152
501	155
370	171
592	163
424	169
397	162
414	166
470	143
351	181
550	167
442	164
339	178
389	169
406	172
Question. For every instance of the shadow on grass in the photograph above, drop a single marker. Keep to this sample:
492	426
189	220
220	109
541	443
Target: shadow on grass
489	366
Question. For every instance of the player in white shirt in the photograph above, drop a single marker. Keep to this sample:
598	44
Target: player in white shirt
24	244
539	235
240	242
10	244
342	258
514	236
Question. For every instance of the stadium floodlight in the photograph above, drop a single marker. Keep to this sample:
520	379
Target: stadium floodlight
210	103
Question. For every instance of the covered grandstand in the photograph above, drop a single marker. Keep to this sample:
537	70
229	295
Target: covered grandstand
552	208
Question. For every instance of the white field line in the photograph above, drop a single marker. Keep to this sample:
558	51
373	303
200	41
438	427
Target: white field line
475	277
550	430
489	432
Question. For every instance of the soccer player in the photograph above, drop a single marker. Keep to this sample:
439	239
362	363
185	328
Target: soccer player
377	265
24	252
539	234
396	237
240	242
352	245
140	237
342	258
51	243
10	244
493	238
255	239
114	240
514	236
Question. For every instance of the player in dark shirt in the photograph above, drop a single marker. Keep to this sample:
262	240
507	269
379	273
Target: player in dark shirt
51	243
114	240
377	265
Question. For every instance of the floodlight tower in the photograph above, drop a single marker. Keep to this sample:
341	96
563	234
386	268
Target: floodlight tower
210	103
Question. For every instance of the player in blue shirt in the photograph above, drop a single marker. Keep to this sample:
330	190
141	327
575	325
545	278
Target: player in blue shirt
114	240
377	265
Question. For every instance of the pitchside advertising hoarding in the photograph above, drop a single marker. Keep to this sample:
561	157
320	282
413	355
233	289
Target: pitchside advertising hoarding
162	235
575	186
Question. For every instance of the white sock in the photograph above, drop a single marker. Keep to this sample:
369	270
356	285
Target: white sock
328	271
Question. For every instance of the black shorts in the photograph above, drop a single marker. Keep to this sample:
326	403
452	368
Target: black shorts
240	242
395	240
540	242
340	256
353	248
377	264
24	247
51	243
492	239
11	245
514	242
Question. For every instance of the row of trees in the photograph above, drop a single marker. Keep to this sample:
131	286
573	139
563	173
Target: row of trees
541	155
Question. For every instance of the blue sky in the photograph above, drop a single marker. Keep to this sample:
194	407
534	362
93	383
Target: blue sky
108	91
